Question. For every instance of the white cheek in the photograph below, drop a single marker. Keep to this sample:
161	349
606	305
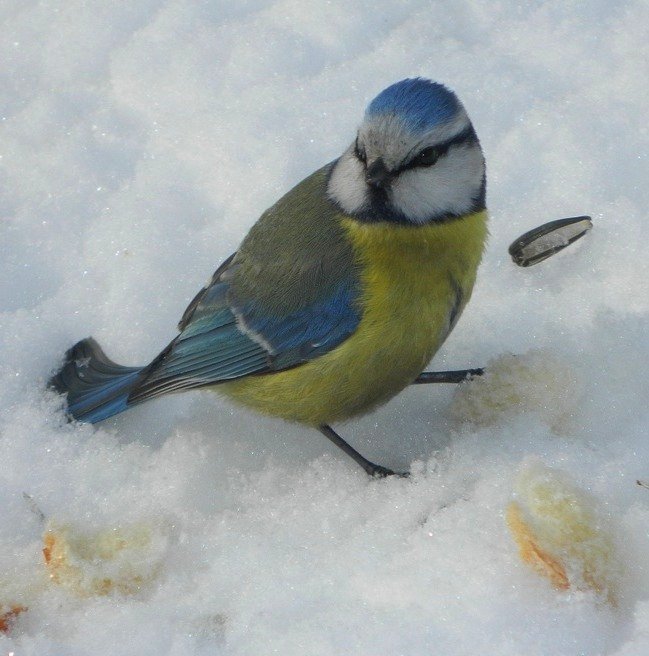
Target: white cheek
347	183
448	186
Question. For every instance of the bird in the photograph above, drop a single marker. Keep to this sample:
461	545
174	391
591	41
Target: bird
340	293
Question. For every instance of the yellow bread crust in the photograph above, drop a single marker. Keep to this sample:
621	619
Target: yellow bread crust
412	277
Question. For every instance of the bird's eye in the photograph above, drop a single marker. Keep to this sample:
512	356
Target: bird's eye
427	157
359	153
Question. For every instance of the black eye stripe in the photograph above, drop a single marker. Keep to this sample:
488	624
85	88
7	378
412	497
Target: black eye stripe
467	135
430	154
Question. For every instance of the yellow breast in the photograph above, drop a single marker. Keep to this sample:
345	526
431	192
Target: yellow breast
415	280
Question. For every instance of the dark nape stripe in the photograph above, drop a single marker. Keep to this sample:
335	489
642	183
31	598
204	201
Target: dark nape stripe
388	215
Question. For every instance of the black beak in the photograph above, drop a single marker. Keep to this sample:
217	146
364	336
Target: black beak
377	175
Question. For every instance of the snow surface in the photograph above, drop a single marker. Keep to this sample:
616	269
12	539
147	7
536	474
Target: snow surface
138	143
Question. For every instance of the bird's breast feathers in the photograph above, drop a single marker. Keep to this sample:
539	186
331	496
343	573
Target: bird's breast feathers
415	282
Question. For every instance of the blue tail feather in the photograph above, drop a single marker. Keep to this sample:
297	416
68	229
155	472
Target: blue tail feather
97	388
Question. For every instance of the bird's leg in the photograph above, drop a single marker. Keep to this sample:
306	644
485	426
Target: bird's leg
425	377
373	470
447	376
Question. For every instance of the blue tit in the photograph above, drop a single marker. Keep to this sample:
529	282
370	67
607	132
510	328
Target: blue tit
342	291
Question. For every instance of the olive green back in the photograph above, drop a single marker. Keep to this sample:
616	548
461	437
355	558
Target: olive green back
297	253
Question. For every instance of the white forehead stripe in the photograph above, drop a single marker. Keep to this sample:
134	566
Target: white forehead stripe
390	137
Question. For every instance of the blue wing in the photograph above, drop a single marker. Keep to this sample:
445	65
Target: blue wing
224	337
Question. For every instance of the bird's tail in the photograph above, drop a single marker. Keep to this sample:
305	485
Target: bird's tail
97	388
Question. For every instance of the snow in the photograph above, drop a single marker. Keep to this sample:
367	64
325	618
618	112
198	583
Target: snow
138	143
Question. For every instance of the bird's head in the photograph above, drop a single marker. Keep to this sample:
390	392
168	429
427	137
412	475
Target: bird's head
416	159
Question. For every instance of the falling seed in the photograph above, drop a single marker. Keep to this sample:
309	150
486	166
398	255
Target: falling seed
546	240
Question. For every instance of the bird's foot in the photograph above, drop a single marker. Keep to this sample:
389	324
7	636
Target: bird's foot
379	471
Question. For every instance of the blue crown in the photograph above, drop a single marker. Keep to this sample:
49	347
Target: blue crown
422	104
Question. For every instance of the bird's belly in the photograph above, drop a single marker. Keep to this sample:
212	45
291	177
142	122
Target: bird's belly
415	285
